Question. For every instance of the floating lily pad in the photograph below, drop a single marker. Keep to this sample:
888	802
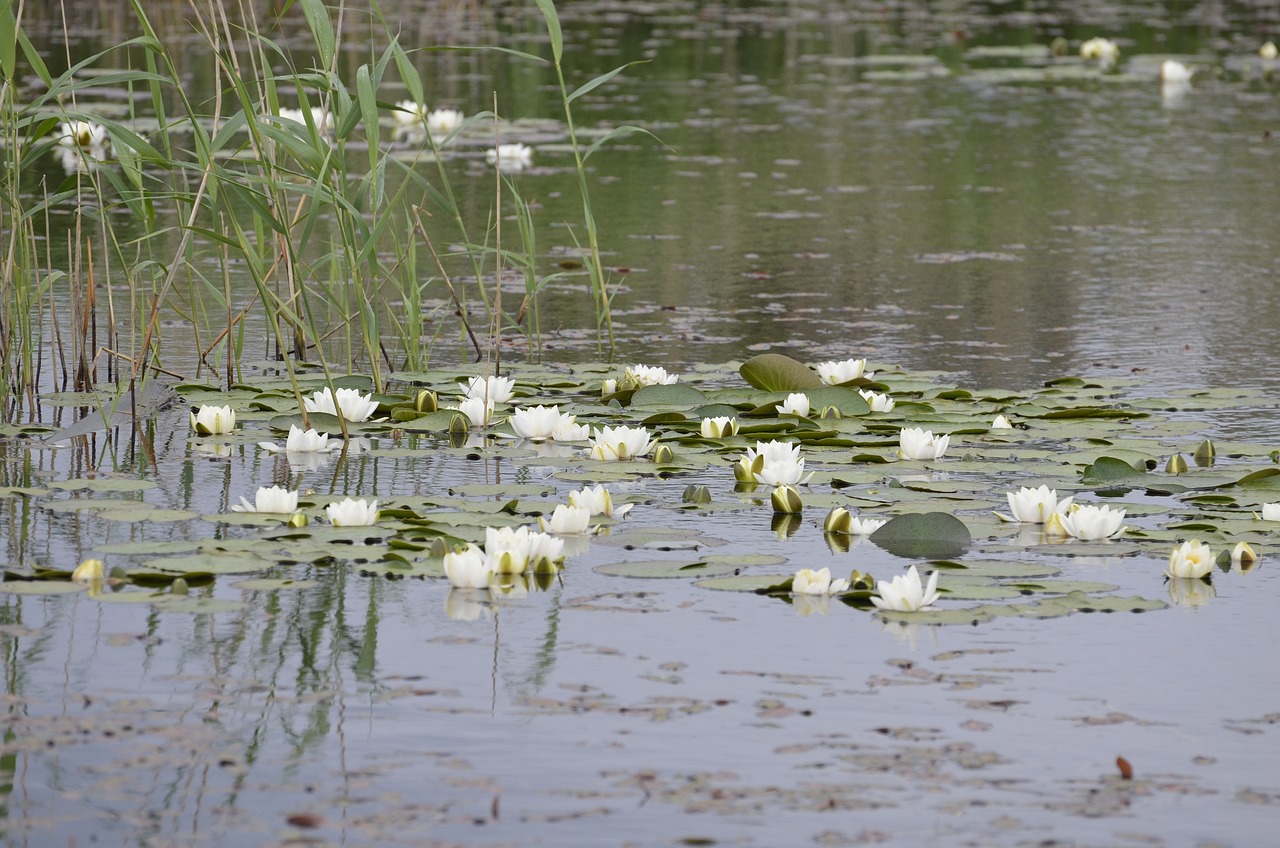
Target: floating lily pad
666	569
931	535
269	584
40	587
774	372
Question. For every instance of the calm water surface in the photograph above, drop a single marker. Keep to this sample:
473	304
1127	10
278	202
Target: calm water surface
941	213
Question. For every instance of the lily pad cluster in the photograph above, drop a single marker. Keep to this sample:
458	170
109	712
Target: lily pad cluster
808	431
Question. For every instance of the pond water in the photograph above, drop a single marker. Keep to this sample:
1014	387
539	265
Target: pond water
839	179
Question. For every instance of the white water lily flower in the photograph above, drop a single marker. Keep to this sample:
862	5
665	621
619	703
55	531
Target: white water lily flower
568	430
809	582
512	158
718	428
1190	559
1268	51
478	412
1173	72
468	568
274	499
878	401
441	122
797	403
917	443
904	593
545	546
647	375
1104	50
621	443
865	526
213	420
1271	512
507	549
535	422
300	441
1001	423
598	500
773	451
566	520
409	114
1034	506
350	512
89	570
608	387
782	472
355	406
1091	523
86	135
835	373
492	388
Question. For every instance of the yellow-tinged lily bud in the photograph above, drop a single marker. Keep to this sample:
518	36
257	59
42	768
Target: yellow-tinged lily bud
744	471
830	412
663	455
1177	464
1244	555
1204	454
426	401
1053	526
459	428
298	519
90	569
179	587
786	500
838	521
861	580
544	565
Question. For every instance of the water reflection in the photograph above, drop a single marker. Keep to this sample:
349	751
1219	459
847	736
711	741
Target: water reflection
1190	592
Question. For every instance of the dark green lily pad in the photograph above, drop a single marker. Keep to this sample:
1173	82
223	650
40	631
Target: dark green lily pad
774	372
929	535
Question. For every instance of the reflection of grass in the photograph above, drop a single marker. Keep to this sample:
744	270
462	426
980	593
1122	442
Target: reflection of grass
318	218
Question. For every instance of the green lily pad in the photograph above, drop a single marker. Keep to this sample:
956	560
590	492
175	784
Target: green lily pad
774	372
270	584
40	587
929	535
665	569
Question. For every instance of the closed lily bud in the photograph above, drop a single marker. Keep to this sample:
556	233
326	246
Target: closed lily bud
861	580
696	494
663	455
298	519
459	428
179	587
838	521
1177	464
1243	554
1204	454
744	470
786	500
830	412
426	401
608	387
90	569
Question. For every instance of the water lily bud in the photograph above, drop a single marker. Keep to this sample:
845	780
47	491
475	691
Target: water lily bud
744	471
696	494
861	580
90	569
830	412
459	428
838	521
786	500
1177	464
663	455
179	587
544	565
1053	526
426	401
1204	454
298	519
1243	554
1001	422
608	387
438	548
1059	47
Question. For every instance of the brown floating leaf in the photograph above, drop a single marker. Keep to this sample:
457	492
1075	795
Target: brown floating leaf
305	820
1126	770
